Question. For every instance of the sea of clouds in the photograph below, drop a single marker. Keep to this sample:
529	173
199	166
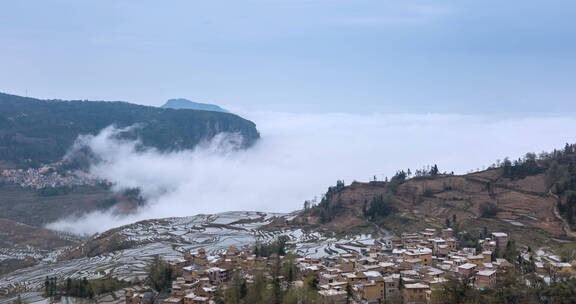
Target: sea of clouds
300	155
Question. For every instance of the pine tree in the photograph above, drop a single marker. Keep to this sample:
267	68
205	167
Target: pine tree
434	170
68	286
349	293
47	287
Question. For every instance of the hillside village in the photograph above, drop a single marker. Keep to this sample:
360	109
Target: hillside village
48	176
406	269
288	152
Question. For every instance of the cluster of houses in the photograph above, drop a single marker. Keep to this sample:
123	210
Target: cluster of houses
409	267
48	177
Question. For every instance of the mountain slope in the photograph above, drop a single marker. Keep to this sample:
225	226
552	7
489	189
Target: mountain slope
30	206
123	253
23	245
532	199
181	103
34	131
14	235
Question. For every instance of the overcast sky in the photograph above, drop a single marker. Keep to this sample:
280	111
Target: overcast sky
386	56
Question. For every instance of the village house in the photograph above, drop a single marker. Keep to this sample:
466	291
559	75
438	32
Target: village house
391	287
195	299
485	279
333	296
561	268
217	275
412	267
416	293
466	270
500	238
447	233
173	300
132	297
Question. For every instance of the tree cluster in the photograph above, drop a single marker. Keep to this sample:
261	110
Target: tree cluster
559	168
160	274
81	288
511	287
270	286
53	191
521	168
277	246
380	206
488	209
327	208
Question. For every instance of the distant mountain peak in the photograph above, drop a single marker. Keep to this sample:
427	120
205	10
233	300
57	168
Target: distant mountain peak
182	103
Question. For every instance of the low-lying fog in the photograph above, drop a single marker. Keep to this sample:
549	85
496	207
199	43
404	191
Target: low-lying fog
300	155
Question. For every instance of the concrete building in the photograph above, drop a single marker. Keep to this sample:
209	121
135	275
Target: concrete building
501	239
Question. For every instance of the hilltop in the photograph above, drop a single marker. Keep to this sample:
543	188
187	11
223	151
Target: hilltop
34	131
182	103
532	198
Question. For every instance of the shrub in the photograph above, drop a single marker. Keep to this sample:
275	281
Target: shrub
488	209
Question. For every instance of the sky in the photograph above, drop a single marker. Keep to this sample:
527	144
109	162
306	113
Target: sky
297	56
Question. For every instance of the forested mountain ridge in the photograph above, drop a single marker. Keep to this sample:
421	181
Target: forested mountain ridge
36	131
532	198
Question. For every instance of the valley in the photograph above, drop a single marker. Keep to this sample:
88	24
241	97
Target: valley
531	200
124	252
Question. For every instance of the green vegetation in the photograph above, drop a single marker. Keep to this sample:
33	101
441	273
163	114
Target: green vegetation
488	209
510	288
82	288
327	210
559	168
9	265
30	206
568	208
561	174
470	239
273	286
510	253
380	206
53	191
377	208
396	180
521	168
421	195
278	247
160	274
568	252
41	131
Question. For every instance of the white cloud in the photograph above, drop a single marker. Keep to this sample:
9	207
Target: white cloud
300	155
